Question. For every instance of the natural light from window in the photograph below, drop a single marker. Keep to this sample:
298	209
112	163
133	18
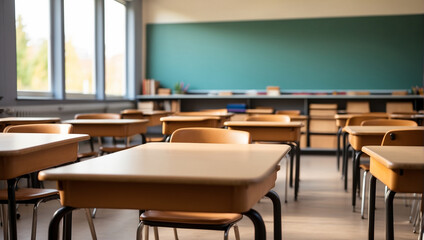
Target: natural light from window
115	76
32	34
79	46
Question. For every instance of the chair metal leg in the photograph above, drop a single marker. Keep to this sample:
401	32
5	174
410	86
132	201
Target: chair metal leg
236	232
34	220
90	223
175	234
355	176
146	233
226	233
364	194
93	214
156	232
140	231
5	222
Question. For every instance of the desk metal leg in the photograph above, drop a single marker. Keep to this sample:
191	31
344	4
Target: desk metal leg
338	150
297	174
390	233
355	176
277	214
11	203
54	223
258	222
344	140
371	208
292	153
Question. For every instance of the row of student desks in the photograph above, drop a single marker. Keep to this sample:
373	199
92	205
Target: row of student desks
183	172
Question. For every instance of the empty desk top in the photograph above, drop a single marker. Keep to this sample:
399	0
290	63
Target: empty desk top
109	127
397	157
216	177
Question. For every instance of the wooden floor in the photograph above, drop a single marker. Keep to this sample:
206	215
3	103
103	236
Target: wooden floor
323	211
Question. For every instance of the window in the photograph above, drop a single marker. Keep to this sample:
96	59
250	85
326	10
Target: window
79	46
115	77
32	34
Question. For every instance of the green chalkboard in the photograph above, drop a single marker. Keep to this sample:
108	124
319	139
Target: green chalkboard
307	54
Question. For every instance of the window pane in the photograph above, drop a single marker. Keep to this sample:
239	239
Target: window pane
79	46
115	48
32	34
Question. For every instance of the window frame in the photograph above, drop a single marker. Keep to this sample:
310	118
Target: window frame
56	59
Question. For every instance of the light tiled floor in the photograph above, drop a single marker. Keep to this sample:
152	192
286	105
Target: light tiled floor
323	211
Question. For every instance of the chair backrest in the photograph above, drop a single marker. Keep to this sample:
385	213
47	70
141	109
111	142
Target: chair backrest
40	128
132	114
358	119
210	135
399	107
98	116
407	137
269	118
288	112
357	107
388	122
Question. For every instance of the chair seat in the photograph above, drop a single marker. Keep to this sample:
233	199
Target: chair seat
365	167
25	194
190	217
87	154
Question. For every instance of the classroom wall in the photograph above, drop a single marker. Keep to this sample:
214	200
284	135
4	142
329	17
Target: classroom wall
306	41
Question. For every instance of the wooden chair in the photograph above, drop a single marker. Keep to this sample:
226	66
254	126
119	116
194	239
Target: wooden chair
134	114
103	149
270	118
399	107
357	107
196	220
355	120
409	137
36	196
389	122
288	112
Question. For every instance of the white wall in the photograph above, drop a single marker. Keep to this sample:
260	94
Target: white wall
172	11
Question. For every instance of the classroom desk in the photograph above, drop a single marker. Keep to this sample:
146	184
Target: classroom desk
109	127
172	123
274	132
23	153
4	122
155	116
259	111
418	117
401	169
360	136
197	177
223	117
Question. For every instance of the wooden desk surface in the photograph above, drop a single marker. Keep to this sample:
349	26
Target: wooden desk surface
205	114
397	157
223	164
374	130
109	127
259	111
105	121
25	120
156	112
187	118
172	176
262	124
22	153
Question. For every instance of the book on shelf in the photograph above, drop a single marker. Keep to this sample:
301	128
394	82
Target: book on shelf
150	86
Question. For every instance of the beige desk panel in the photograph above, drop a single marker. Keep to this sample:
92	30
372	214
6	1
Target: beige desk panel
197	177
268	131
109	127
22	153
400	168
172	123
